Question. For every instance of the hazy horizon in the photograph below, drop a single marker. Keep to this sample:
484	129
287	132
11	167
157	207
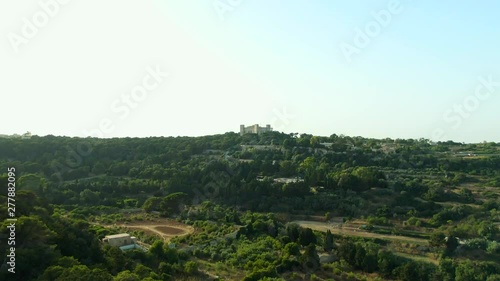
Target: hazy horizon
199	136
383	69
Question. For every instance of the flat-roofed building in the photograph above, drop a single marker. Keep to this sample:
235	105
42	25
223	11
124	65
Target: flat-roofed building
119	240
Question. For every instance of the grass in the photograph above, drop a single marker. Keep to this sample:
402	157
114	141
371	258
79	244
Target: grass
417	258
220	269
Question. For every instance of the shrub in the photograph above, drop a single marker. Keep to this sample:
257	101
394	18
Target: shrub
477	244
493	247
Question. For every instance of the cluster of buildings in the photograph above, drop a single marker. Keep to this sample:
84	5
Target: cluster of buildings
254	129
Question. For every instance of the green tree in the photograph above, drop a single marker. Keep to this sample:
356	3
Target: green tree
287	168
115	258
307	237
90	197
328	244
293	231
83	273
386	263
347	251
437	240
127	276
151	204
328	216
292	249
310	258
191	267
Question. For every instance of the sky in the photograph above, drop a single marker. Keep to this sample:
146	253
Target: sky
377	69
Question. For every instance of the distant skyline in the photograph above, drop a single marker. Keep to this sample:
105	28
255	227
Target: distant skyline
377	69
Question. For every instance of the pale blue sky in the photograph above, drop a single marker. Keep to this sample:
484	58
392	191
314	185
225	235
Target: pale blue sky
254	63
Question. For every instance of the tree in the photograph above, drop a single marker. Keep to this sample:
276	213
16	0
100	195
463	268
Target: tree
33	183
115	258
191	267
488	230
446	269
293	231
309	168
314	141
34	246
370	261
451	245
347	181
141	270
360	255
466	271
52	273
83	273
127	276
494	277
171	203
89	197
386	263
328	216
287	168
295	189
310	259
347	251
257	275
437	240
328	244
307	237
292	249
408	272
151	204
156	250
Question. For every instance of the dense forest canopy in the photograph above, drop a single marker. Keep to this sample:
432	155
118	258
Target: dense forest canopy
272	206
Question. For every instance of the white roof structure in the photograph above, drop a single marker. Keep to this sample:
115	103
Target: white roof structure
121	235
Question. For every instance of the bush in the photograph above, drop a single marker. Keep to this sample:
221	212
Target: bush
477	244
378	221
190	267
493	247
414	221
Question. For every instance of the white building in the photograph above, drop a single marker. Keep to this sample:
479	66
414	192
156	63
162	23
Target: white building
119	240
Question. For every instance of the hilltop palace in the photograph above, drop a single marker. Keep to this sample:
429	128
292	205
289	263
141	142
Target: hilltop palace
254	129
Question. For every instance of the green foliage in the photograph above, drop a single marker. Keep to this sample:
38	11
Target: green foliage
328	244
468	270
83	273
260	275
226	191
306	237
127	276
190	267
414	271
378	221
310	259
292	249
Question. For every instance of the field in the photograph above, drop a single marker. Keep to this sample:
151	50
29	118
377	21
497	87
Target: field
164	228
337	228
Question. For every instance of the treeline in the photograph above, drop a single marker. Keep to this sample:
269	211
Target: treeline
62	158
